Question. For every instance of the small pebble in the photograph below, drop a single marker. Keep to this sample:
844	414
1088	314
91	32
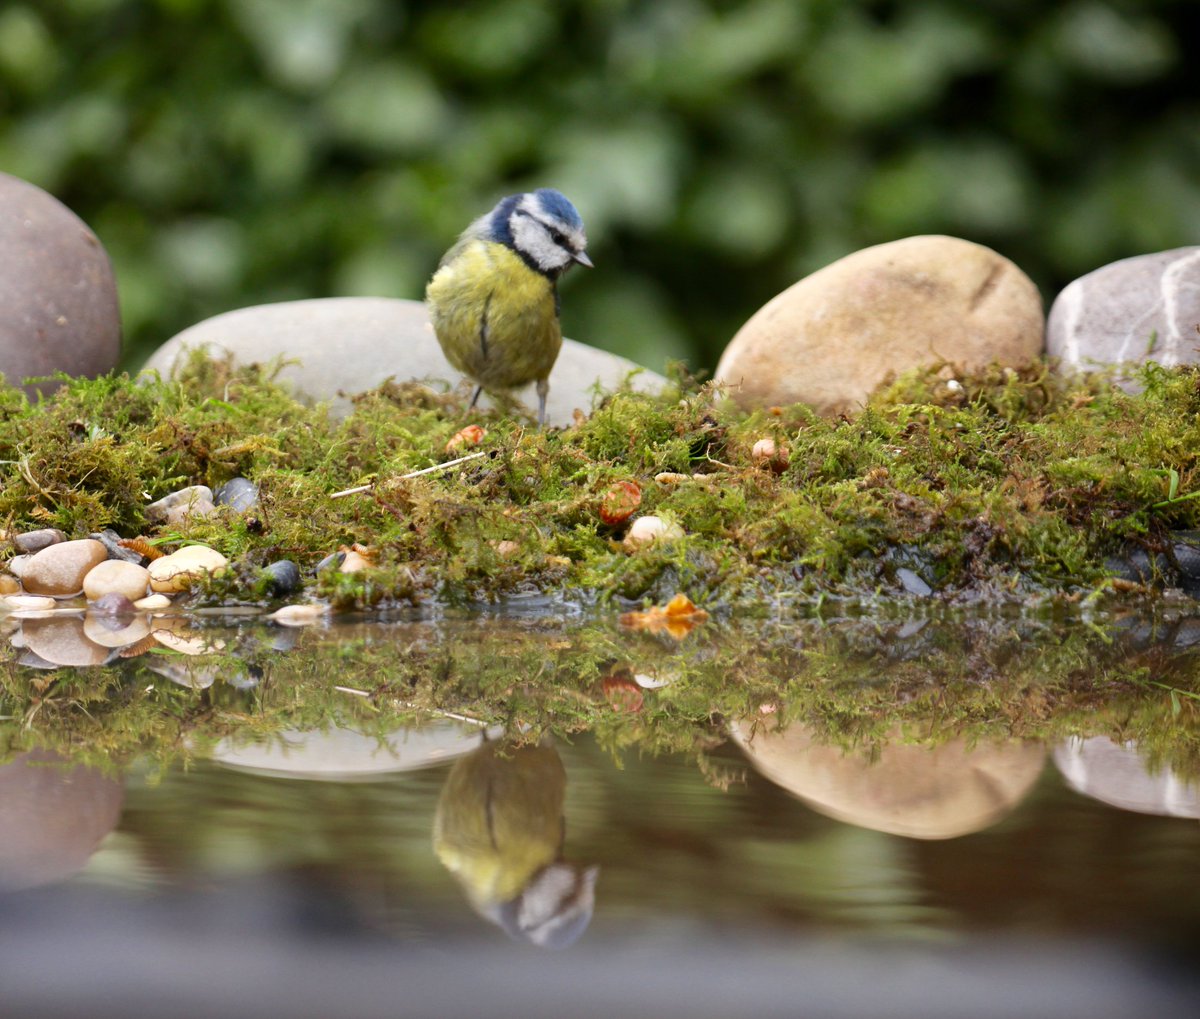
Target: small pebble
153	602
26	602
17	564
113	576
649	530
283	577
112	604
239	494
35	541
179	507
299	615
9	584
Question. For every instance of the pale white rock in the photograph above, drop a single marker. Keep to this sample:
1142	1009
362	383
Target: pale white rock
355	562
116	576
153	602
16	565
189	503
175	572
26	602
649	530
59	569
831	339
1145	308
299	615
336	347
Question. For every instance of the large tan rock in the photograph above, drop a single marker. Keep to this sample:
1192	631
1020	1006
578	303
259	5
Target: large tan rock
59	569
832	338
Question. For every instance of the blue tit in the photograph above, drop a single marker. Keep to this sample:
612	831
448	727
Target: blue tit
494	297
498	829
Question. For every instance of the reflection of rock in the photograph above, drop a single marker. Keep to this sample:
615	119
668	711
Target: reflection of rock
337	754
921	792
1115	773
62	640
52	818
499	831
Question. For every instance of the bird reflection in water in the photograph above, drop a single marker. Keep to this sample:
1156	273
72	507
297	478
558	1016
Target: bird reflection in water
499	830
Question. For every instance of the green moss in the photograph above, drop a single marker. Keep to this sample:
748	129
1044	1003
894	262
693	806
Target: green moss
1005	485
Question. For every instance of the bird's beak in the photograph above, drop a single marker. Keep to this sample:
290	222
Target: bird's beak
582	259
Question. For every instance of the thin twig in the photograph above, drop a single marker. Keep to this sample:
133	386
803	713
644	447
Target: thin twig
413	474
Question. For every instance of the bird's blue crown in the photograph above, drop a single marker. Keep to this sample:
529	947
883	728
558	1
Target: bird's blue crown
553	203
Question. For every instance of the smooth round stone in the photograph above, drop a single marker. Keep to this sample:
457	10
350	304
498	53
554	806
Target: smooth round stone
153	603
115	631
175	572
112	604
355	562
52	818
35	541
179	507
58	301
919	792
831	339
299	615
61	640
333	561
239	494
59	570
345	345
9	584
283	576
17	563
116	577
1139	309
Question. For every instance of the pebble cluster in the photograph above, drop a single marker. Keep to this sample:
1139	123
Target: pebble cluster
81	601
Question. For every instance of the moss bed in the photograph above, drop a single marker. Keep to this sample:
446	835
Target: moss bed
1004	486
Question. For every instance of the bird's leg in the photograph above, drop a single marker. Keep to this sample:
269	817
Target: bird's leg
543	387
475	398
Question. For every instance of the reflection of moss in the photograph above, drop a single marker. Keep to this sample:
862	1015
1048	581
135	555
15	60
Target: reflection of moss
851	681
1009	485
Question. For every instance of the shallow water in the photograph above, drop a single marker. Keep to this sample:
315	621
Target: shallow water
248	853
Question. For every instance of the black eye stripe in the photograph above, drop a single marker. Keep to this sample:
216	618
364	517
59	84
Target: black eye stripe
557	236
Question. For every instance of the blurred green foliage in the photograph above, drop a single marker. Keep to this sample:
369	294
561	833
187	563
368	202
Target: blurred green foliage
230	152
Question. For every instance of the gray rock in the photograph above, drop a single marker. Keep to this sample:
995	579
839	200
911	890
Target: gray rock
58	301
240	494
912	583
1145	308
111	542
35	541
345	345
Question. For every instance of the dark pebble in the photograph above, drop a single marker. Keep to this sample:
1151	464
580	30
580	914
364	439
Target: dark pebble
109	538
112	604
240	494
283	576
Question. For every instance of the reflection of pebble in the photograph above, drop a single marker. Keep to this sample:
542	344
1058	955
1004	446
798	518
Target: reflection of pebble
115	631
61	640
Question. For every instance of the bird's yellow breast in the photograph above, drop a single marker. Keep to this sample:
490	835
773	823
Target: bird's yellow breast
495	318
